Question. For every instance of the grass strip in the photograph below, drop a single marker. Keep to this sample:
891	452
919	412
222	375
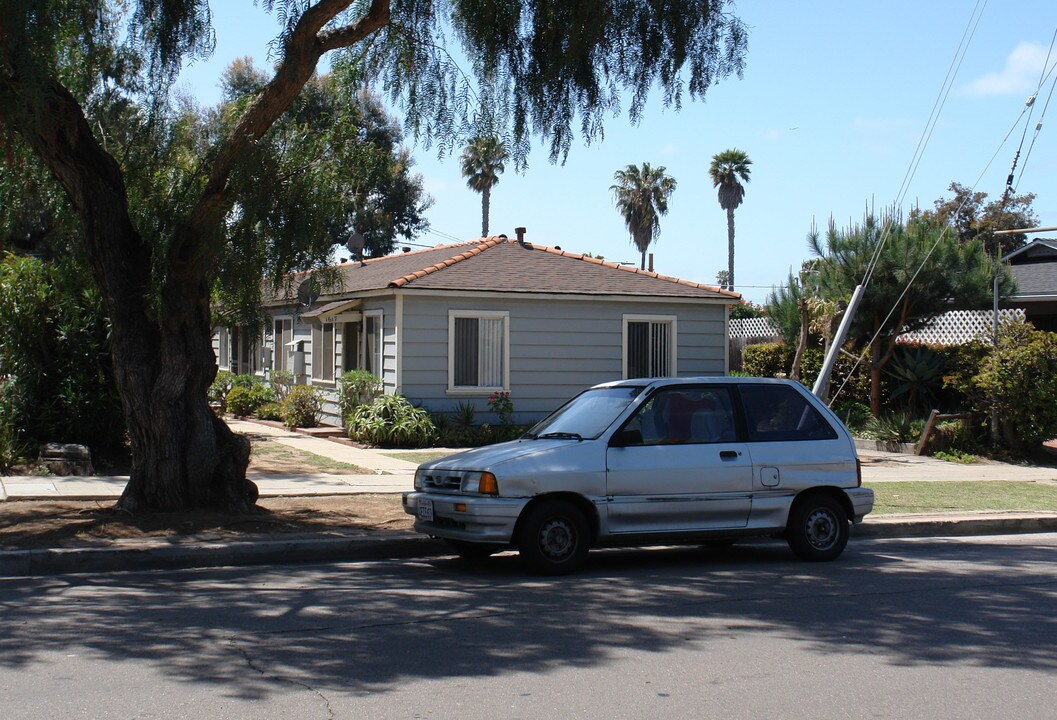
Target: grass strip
936	497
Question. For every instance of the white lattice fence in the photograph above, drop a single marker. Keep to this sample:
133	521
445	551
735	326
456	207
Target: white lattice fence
953	328
960	326
752	328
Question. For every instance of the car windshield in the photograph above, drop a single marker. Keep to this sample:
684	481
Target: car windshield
587	415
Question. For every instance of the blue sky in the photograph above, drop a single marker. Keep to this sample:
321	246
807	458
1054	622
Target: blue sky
834	100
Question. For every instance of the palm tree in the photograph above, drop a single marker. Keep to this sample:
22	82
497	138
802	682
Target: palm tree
727	168
641	195
482	163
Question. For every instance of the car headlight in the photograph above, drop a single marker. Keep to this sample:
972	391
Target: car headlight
419	474
483	483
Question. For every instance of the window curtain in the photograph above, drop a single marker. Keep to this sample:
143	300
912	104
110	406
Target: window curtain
490	352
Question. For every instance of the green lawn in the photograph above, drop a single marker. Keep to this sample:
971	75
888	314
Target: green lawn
930	497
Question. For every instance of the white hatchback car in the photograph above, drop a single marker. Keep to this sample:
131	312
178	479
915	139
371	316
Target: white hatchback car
653	461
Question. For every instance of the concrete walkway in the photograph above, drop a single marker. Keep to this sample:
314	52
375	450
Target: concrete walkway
387	474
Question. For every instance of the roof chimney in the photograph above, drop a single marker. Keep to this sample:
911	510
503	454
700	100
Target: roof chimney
520	236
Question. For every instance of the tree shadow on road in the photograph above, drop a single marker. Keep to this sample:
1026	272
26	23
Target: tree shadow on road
362	628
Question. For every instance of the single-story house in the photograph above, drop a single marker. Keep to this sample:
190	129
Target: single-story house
1035	268
456	323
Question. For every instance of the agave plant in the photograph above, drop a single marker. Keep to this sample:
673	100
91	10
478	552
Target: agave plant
918	375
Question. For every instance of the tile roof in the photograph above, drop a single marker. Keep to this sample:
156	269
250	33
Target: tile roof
497	265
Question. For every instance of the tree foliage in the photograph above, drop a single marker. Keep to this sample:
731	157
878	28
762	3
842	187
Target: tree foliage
1018	377
641	195
728	170
971	218
919	272
482	162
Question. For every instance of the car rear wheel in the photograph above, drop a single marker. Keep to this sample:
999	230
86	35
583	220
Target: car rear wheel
472	550
818	528
554	537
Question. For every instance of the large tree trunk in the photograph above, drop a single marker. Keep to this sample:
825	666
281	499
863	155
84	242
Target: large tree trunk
730	249
182	456
485	197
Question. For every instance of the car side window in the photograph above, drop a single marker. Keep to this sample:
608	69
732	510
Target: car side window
776	413
676	416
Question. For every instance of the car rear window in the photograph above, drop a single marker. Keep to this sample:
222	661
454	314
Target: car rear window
776	413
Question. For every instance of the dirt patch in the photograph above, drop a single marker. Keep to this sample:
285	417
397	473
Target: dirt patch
69	523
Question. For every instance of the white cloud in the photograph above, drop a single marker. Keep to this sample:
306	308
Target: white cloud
1019	76
670	149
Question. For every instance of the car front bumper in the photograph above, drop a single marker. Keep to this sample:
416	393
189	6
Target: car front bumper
861	502
466	517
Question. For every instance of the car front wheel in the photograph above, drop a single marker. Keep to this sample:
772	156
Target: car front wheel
554	538
818	528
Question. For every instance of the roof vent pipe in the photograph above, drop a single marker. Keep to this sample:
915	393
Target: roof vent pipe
405	249
520	236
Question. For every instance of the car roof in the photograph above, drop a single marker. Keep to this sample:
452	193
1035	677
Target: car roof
696	380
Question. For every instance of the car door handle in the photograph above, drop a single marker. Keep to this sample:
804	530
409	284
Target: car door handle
728	454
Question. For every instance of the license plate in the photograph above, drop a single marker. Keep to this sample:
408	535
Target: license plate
425	510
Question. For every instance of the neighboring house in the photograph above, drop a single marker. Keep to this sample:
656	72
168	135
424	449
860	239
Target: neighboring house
1035	268
456	323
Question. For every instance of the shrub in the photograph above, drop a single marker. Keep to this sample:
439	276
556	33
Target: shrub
355	388
245	381
218	391
767	360
392	421
270	411
302	407
1019	375
281	381
55	354
240	401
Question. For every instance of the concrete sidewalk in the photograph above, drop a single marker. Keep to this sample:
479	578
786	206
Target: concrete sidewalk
385	474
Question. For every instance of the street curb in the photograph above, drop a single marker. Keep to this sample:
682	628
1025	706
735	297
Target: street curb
306	549
954	527
169	556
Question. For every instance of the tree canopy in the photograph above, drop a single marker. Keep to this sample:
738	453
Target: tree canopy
919	271
971	218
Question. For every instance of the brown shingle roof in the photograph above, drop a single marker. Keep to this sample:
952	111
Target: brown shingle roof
497	265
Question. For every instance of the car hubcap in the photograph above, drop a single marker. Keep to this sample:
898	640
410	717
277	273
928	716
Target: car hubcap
821	529
557	539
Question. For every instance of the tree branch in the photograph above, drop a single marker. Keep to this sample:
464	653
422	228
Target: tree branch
301	53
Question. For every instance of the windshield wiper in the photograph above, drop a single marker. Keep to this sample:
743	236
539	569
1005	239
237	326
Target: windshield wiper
560	436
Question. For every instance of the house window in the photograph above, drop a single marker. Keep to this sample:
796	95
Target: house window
223	349
649	346
246	351
361	344
284	333
478	350
323	352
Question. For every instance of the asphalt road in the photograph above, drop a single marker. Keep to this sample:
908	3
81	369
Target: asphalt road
938	628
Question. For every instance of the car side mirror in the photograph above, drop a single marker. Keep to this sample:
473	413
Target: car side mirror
626	437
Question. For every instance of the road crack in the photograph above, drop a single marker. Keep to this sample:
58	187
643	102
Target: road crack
233	642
